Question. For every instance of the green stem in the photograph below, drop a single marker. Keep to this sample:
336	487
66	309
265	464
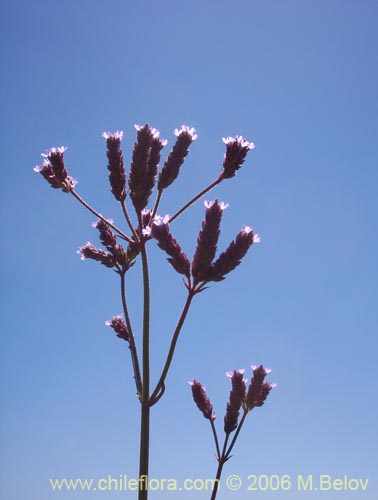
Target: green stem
172	347
227	456
145	410
128	220
197	197
132	346
144	451
221	462
158	198
215	439
99	216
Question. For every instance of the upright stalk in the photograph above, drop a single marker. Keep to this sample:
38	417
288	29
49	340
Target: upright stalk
222	460
145	406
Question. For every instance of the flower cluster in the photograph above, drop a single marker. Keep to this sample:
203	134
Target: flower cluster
204	268
54	170
240	397
119	327
115	257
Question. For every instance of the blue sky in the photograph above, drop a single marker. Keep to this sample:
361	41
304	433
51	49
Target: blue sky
300	80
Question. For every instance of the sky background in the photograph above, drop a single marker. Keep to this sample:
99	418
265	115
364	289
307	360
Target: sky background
297	78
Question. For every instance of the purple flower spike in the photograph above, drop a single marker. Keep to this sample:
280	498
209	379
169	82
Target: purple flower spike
117	175
89	251
237	397
107	237
143	166
236	150
207	241
258	389
231	258
119	327
202	401
54	170
185	136
177	258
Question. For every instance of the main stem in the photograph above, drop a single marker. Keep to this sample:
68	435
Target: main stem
145	406
222	460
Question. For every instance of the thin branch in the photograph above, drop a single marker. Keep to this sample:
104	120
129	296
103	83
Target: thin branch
227	456
215	439
197	197
133	349
128	220
173	345
99	216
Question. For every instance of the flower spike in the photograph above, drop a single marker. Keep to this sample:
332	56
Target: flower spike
117	175
237	149
202	401
185	136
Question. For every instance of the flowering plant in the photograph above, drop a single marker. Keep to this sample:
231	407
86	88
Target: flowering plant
121	249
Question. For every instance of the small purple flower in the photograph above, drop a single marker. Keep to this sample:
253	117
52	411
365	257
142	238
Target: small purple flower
202	401
119	327
88	251
146	155
237	149
231	258
185	136
237	397
54	170
177	258
109	240
117	175
207	241
258	389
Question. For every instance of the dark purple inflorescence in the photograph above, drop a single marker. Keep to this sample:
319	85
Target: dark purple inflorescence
237	397
258	389
117	175
143	171
202	401
54	171
177	258
185	136
119	327
232	256
207	241
236	150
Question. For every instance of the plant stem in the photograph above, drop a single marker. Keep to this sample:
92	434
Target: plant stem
157	202
99	216
215	438
197	197
226	454
236	434
172	346
128	220
145	409
133	350
221	462
144	451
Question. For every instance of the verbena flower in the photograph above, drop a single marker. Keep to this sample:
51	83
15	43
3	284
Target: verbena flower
232	256
237	397
177	258
117	175
207	241
146	155
202	401
119	326
54	171
88	251
237	149
258	389
185	136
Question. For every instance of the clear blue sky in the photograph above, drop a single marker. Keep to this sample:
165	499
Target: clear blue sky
297	78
